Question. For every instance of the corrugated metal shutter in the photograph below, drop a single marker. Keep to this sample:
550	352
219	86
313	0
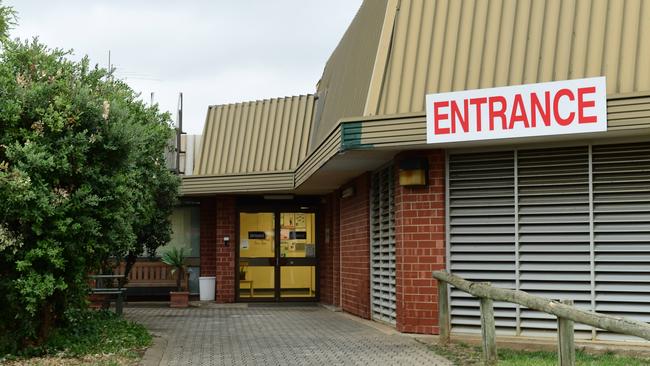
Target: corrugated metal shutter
482	233
621	188
382	255
554	234
582	221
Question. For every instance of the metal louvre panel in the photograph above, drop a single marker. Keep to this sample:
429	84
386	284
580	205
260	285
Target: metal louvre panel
482	234
621	184
582	221
554	233
382	254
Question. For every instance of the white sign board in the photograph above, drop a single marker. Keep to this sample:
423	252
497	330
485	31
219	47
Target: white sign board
554	108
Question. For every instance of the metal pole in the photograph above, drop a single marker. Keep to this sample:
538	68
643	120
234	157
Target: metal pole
179	130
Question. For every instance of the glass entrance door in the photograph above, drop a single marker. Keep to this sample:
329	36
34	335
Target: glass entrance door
257	255
297	255
277	256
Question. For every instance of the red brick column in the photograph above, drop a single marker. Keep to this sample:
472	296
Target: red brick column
325	255
355	249
225	256
420	247
208	240
336	249
329	251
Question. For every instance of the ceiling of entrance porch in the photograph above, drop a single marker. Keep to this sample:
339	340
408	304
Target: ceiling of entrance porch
344	167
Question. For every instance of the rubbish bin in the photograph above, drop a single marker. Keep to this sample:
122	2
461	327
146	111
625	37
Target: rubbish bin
206	288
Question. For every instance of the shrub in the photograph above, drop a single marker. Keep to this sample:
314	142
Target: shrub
82	179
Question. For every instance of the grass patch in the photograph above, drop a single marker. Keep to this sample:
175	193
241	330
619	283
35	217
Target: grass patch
465	355
90	338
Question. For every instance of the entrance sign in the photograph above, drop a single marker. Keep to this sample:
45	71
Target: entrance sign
553	108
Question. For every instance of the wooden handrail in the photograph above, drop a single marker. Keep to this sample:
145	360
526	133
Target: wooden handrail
566	313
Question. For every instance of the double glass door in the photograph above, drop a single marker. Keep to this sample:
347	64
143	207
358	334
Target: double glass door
277	256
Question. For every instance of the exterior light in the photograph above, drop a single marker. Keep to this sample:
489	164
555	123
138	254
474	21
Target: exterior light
413	172
347	192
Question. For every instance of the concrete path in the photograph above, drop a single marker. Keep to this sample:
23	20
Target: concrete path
299	335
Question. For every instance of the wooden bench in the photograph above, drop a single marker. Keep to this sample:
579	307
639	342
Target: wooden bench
101	283
150	274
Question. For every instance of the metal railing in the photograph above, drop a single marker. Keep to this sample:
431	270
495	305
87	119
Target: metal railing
564	310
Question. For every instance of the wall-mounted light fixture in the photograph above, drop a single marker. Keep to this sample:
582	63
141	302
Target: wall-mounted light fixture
347	192
413	172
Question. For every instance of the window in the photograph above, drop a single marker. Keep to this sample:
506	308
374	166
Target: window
185	231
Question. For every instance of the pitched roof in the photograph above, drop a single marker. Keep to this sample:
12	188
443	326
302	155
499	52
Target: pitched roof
397	51
260	136
343	87
450	45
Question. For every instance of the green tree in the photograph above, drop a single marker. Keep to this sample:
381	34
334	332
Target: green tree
82	179
7	20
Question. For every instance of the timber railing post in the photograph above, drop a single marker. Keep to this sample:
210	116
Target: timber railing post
566	313
566	350
444	321
488	331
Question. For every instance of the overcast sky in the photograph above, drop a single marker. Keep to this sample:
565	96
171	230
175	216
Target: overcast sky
214	52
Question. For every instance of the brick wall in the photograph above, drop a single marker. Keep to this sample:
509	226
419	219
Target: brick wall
208	239
420	247
329	252
336	252
355	249
225	256
325	254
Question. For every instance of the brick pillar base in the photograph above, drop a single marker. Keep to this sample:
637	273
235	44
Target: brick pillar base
225	256
208	239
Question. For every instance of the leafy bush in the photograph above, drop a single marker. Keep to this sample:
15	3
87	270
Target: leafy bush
92	332
82	179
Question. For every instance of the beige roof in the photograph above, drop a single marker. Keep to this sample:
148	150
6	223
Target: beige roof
397	51
278	182
448	45
260	136
343	87
365	143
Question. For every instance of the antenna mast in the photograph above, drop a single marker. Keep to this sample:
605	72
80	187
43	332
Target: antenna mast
179	131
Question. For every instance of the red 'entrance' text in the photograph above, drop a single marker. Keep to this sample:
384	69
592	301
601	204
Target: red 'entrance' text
562	108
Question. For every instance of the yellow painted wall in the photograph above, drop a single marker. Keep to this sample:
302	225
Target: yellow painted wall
298	277
298	221
262	277
257	248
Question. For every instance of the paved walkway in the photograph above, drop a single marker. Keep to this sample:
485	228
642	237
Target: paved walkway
274	336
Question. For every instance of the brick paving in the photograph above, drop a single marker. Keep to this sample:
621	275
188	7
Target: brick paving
276	336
